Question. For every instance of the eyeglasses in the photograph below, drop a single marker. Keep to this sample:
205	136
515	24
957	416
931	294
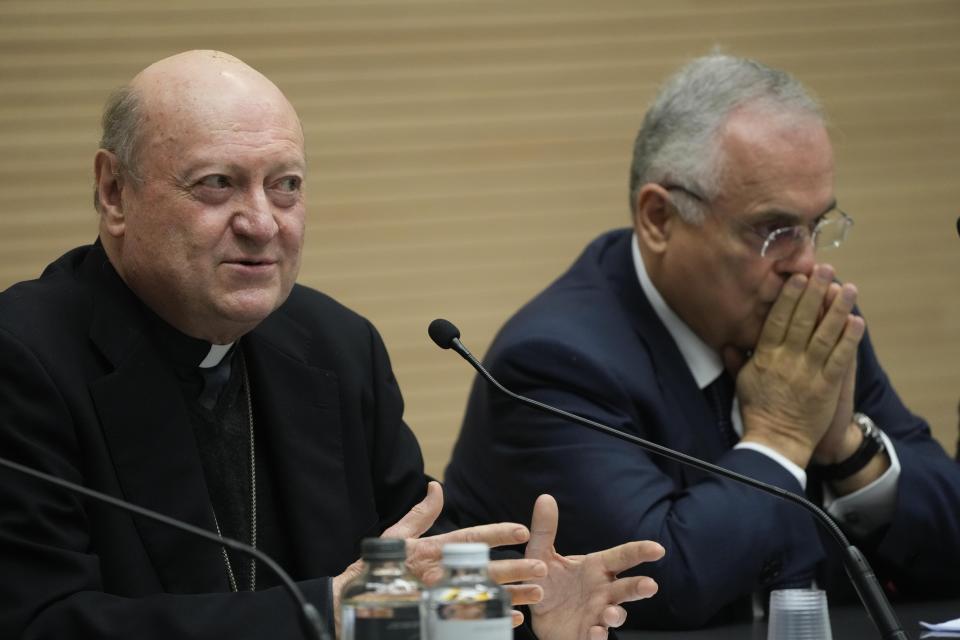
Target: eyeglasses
826	232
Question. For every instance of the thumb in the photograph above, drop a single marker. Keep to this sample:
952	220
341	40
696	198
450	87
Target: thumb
421	517
543	528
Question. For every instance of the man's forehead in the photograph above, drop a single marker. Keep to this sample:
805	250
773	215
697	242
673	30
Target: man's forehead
209	108
783	157
222	120
764	131
786	150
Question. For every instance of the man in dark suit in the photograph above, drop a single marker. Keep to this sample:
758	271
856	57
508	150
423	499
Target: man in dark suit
708	327
175	364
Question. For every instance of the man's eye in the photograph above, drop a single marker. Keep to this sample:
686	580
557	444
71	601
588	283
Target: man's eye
289	184
216	181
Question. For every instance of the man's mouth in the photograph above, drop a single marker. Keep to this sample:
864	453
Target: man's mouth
251	262
252	265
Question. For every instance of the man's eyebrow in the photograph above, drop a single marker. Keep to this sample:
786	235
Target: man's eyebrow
788	218
203	168
293	165
778	216
830	207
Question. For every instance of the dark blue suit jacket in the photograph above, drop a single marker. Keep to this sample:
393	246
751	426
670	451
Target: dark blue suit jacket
592	344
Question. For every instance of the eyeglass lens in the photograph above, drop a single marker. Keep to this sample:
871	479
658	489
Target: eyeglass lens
829	233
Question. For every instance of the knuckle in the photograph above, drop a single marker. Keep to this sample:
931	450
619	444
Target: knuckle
821	341
802	323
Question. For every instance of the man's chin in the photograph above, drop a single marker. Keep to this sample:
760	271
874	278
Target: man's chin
249	308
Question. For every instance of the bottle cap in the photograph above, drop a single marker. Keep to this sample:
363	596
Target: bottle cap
466	554
383	549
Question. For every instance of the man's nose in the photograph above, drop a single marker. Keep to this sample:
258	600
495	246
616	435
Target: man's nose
254	219
800	261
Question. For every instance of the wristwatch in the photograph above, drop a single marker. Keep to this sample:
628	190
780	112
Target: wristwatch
871	445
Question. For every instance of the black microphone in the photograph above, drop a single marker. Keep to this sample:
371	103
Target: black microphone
310	619
447	336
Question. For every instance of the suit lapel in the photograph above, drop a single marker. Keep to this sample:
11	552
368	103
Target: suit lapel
147	429
297	408
684	401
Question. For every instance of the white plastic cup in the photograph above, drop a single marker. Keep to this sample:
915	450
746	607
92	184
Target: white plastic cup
799	614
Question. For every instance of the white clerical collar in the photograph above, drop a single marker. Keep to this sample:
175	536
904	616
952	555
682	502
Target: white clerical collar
215	356
704	363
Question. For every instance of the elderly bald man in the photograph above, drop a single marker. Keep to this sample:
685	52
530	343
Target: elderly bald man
176	364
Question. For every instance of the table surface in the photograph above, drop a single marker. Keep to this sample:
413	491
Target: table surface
847	621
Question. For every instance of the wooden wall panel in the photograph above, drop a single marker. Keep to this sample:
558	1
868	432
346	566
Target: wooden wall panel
462	153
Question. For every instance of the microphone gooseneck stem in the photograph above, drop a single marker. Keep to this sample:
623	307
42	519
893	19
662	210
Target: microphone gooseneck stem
311	622
859	570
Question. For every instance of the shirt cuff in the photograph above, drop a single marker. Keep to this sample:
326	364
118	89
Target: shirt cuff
870	507
778	457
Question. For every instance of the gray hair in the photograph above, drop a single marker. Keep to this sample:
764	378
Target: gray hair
121	123
677	142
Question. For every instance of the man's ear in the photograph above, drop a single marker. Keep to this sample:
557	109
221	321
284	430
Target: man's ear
653	217
109	183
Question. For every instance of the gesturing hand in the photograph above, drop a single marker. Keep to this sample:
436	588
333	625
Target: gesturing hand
424	555
582	594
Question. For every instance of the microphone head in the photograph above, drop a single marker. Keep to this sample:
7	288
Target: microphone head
443	332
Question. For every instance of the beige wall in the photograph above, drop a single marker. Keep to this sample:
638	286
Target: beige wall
462	153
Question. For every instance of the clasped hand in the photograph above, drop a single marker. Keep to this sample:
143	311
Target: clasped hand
571	598
796	390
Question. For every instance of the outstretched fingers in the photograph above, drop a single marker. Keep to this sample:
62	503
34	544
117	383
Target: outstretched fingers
632	589
543	528
521	594
421	517
494	535
614	616
517	570
630	554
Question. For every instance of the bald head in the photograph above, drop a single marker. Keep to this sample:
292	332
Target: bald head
201	64
200	83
